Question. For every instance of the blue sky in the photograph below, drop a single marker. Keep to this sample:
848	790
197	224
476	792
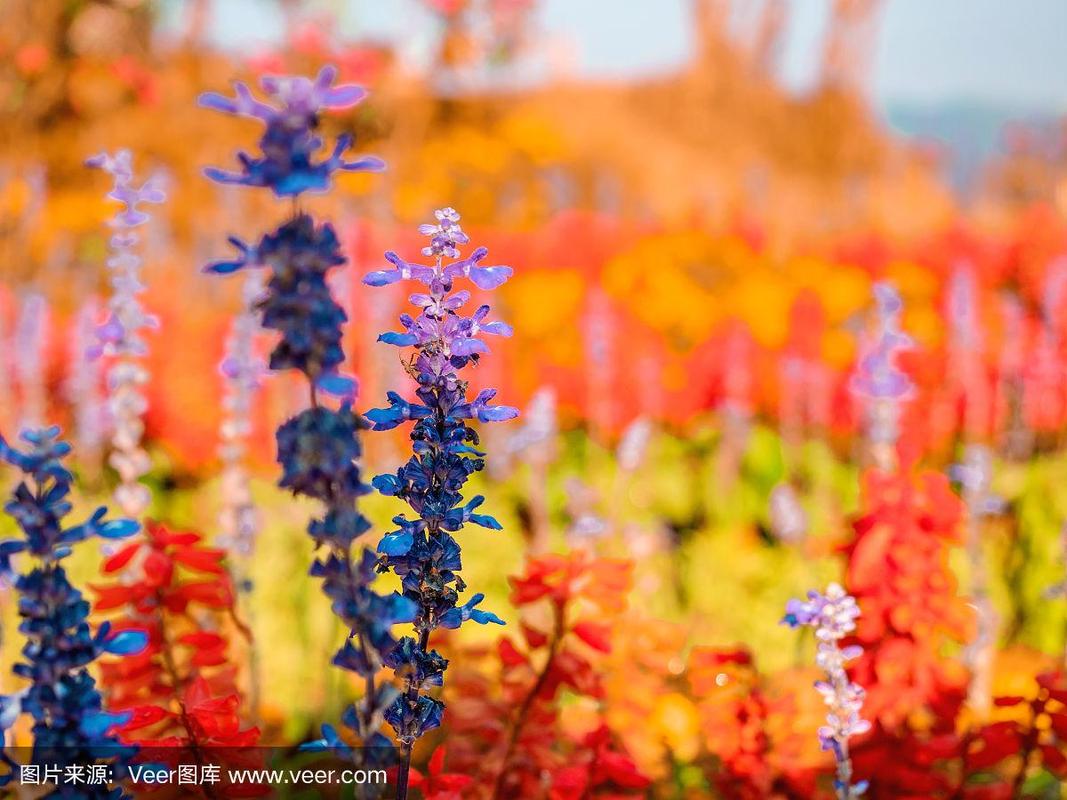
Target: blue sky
1005	53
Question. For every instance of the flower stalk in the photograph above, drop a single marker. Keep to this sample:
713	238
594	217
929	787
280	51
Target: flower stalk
318	448
70	726
833	616
121	336
422	551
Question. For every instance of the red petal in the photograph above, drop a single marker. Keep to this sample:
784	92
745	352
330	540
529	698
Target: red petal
122	557
509	655
143	716
200	558
595	634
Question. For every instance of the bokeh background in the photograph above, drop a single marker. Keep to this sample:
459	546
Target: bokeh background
696	198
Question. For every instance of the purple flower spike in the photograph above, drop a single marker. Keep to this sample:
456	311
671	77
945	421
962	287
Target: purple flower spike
119	166
59	697
877	376
289	291
423	552
878	379
289	145
122	335
833	616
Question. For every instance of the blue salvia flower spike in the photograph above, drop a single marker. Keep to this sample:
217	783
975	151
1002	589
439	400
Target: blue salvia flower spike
318	448
422	551
70	726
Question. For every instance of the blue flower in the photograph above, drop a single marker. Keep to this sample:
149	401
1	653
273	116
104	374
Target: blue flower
70	726
318	448
425	668
412	718
298	302
422	551
454	617
289	161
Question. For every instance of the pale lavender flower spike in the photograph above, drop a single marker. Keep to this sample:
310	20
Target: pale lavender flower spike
879	380
120	336
242	370
30	338
877	376
833	616
788	519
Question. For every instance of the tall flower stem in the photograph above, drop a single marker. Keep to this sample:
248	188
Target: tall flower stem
833	617
121	336
318	448
527	702
422	551
69	724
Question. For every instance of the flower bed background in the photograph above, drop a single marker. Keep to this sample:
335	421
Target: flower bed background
726	400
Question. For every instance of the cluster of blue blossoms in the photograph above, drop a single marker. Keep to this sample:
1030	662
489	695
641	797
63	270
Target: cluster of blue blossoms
318	449
70	727
289	146
422	551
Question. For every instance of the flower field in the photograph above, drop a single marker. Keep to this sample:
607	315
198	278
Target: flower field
670	438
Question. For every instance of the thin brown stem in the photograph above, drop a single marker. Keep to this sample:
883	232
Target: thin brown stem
527	703
176	682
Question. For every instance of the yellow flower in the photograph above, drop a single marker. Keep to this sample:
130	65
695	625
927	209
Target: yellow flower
675	718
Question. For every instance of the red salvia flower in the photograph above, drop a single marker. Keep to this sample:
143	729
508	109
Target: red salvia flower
181	691
512	733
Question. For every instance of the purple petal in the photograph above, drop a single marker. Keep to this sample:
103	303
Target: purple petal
343	96
217	102
466	347
326	76
398	339
497	413
457	300
420	300
131	218
489	277
365	164
111	331
498	329
382	277
222	176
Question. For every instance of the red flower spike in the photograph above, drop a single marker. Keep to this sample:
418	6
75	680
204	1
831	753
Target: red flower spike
166	594
512	736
